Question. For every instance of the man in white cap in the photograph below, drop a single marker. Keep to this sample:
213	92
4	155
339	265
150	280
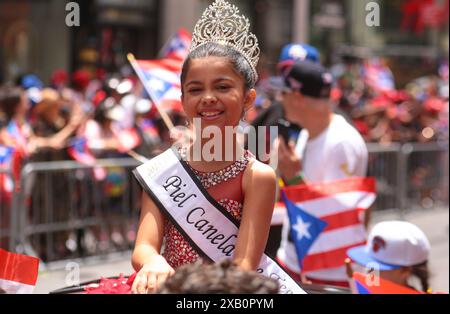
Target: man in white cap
328	149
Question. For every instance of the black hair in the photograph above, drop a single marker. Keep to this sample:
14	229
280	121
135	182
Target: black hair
224	277
238	61
422	272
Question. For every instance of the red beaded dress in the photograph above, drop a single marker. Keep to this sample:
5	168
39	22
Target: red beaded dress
225	186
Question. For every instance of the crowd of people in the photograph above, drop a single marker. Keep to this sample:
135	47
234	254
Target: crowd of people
95	109
97	106
80	118
85	103
365	92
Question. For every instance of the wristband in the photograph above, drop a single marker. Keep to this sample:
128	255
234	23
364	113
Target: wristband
296	180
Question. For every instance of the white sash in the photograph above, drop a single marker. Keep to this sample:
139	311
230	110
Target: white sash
208	227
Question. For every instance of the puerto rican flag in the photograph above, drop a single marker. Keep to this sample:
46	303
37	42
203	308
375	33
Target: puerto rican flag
378	76
341	205
18	273
305	228
178	46
161	79
370	284
19	134
79	151
6	164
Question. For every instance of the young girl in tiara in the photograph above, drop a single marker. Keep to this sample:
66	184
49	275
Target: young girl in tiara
218	79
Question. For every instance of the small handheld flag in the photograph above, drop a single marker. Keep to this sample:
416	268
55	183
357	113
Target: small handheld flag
178	46
18	273
369	284
161	80
79	151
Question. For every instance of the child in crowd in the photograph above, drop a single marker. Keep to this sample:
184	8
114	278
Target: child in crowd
399	251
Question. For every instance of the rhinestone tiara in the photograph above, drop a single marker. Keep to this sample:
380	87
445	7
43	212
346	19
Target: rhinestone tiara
221	23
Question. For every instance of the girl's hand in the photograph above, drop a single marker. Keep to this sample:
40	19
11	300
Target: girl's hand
152	275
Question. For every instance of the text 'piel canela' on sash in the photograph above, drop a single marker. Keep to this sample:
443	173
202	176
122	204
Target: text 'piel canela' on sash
205	224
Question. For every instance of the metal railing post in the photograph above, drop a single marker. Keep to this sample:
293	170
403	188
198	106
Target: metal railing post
14	220
405	153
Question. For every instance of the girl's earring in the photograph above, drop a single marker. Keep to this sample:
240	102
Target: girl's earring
244	116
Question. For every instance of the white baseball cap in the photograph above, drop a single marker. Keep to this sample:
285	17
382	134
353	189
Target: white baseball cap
391	245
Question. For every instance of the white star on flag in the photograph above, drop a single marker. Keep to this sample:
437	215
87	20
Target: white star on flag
157	84
302	229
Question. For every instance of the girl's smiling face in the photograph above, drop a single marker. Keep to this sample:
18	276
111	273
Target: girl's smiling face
214	92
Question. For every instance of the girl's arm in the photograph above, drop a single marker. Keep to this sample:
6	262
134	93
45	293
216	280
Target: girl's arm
259	184
152	268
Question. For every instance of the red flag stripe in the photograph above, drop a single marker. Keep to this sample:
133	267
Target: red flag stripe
172	65
18	267
339	203
185	34
320	190
329	259
342	220
171	104
338	238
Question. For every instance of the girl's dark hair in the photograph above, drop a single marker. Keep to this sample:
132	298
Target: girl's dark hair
10	98
224	277
238	61
422	272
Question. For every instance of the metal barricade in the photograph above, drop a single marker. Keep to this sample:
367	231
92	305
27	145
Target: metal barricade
427	175
384	163
7	188
67	210
409	176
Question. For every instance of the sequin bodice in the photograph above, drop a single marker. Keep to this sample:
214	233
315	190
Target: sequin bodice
225	186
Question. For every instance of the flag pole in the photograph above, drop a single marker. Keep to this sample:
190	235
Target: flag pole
137	157
164	48
139	73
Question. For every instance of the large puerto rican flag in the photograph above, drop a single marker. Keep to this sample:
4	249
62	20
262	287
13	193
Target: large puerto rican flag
162	81
18	273
342	205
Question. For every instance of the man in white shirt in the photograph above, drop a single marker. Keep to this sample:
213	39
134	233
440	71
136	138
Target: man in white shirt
328	149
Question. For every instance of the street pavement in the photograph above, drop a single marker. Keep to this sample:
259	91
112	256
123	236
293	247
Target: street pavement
434	222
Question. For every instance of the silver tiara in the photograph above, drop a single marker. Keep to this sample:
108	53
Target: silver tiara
221	23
